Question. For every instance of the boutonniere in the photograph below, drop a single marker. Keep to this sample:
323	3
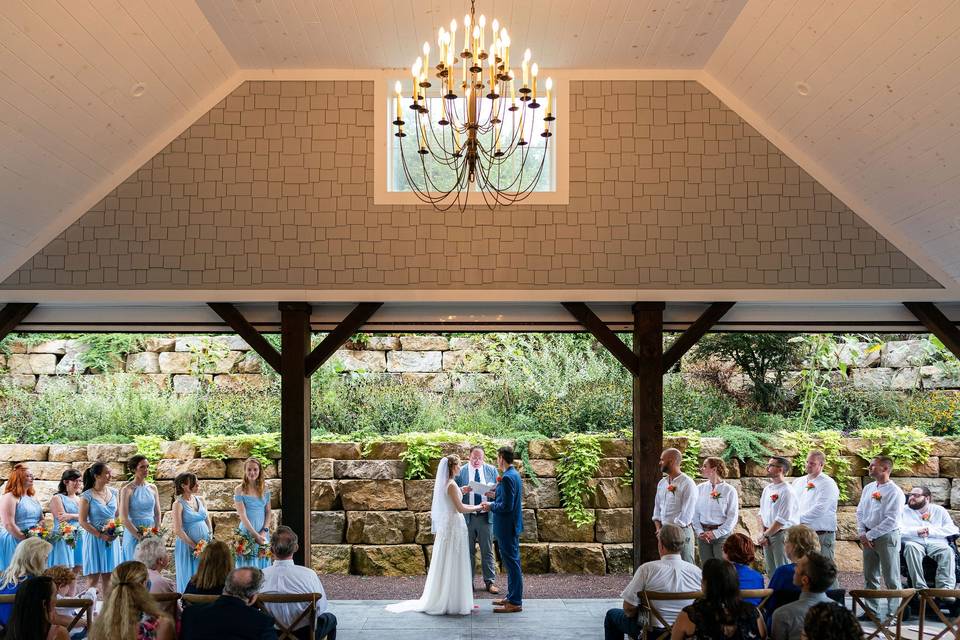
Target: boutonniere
876	496
774	497
925	516
499	478
715	495
671	488
810	485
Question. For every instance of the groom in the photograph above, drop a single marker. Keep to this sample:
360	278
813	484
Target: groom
508	505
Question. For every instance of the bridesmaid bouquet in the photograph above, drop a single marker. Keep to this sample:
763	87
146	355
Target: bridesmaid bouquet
68	533
246	546
151	532
113	528
199	547
42	531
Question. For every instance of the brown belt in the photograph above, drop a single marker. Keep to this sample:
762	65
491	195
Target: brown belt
822	533
709	527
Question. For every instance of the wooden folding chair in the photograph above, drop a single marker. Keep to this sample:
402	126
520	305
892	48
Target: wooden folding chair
757	594
164	599
928	599
859	596
649	597
84	608
308	614
194	598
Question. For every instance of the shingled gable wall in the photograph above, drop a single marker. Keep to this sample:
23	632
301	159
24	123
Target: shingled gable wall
273	188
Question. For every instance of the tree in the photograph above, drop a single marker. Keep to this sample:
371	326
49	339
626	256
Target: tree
759	355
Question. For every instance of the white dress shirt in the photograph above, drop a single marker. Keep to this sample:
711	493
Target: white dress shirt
778	504
939	524
669	574
285	577
484	477
720	510
817	505
880	516
677	506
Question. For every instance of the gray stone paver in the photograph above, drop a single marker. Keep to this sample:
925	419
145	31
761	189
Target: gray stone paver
558	619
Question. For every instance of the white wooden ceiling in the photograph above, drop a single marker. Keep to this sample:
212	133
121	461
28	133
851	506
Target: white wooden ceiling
369	34
880	118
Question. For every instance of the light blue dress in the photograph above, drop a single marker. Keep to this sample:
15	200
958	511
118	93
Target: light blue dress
100	556
62	554
195	526
28	514
256	509
141	513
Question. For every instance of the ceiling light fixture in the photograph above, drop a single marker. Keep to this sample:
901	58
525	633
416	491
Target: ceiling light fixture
481	137
138	89
802	88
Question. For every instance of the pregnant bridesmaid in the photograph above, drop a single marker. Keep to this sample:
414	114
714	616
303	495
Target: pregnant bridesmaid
139	505
253	507
98	506
191	524
19	511
65	507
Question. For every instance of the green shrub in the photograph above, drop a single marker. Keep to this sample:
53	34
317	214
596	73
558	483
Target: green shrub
906	446
742	444
694	405
579	460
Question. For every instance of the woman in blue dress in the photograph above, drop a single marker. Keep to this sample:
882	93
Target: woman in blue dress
139	505
19	511
65	507
191	524
99	505
253	506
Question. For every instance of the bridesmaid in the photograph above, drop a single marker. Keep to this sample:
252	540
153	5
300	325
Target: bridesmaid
139	505
253	507
19	510
65	507
98	504
191	524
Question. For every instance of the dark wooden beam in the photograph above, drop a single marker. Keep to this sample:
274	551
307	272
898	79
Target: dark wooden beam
12	315
295	423
937	323
245	330
339	336
647	425
604	335
694	332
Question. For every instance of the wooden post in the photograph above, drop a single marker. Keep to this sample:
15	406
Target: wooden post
295	423
647	425
13	314
937	323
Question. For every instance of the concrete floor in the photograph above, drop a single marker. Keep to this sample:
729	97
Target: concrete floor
556	619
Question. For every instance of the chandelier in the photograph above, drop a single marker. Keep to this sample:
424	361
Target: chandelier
471	121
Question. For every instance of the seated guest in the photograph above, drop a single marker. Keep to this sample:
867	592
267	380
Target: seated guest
830	621
216	561
720	614
740	550
130	612
669	574
65	584
814	574
233	615
33	610
800	541
286	577
29	561
153	554
924	530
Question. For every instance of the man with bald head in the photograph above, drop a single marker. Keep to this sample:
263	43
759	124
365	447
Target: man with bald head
676	500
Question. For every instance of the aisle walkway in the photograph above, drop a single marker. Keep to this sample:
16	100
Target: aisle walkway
556	619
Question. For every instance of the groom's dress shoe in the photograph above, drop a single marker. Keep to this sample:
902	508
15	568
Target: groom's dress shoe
500	602
508	607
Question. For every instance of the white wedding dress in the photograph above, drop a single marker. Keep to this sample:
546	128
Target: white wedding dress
449	586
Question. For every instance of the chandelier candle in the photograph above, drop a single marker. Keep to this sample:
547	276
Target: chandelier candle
467	139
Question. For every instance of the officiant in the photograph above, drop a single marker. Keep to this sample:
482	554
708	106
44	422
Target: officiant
480	524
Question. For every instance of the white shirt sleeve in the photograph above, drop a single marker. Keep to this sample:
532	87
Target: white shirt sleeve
636	585
862	509
701	490
731	512
689	503
784	509
658	505
943	526
891	503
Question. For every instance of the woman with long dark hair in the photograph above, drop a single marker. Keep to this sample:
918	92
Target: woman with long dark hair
720	614
191	524
33	610
98	507
19	511
139	505
65	507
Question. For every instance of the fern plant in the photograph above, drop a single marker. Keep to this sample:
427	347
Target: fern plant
742	443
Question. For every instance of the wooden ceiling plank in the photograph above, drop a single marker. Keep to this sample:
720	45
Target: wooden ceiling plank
178	42
198	32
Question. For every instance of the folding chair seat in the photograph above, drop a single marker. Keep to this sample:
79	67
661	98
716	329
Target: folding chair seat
950	619
655	620
308	614
859	598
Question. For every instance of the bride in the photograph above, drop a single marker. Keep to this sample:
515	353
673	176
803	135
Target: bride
449	586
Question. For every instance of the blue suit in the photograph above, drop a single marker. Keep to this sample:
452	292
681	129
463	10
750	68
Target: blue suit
508	505
479	524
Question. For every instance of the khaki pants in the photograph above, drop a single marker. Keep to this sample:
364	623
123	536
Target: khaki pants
687	552
710	550
883	560
827	542
774	555
914	552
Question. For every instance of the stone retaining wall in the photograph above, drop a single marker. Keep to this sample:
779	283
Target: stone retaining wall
368	520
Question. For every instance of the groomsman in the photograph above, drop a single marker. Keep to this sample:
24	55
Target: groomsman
479	524
879	516
926	527
817	497
676	500
778	512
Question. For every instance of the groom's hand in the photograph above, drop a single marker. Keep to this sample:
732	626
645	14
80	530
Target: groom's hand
466	490
485	507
